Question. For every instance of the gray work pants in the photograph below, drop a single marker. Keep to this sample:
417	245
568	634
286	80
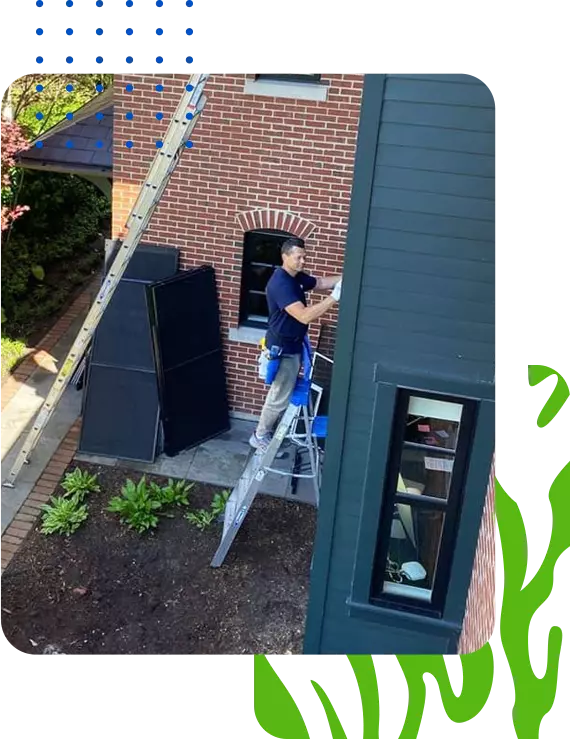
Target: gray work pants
279	393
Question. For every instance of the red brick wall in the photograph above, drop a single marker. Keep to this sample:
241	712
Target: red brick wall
480	611
251	153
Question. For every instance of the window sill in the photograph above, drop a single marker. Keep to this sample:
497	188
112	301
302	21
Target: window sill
402	619
246	334
281	89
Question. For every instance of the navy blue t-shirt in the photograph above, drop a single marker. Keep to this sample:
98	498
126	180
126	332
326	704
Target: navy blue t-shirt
283	290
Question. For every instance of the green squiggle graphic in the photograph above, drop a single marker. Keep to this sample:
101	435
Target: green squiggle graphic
534	696
363	668
337	732
537	373
275	710
478	668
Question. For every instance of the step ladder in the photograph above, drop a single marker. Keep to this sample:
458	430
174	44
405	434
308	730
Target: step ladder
177	136
301	409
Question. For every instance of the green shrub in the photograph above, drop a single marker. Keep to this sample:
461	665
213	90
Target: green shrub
65	217
12	351
63	516
137	505
78	484
175	493
203	518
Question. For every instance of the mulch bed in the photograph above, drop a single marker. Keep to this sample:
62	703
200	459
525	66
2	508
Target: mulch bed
108	590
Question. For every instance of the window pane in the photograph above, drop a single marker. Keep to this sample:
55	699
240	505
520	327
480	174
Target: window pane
425	472
265	249
433	422
259	277
413	552
257	307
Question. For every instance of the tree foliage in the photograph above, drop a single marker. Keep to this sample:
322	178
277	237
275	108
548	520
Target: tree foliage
52	95
13	141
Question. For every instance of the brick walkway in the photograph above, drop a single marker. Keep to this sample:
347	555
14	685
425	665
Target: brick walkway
40	354
26	516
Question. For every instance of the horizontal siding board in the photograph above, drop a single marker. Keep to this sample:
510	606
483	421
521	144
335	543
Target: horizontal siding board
404	360
434	91
446	183
419	201
445	116
412	323
426	343
434	305
465	79
437	246
436	161
436	225
427	286
424	264
441	139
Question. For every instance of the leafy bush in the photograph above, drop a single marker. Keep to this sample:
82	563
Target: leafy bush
63	516
137	505
66	215
78	484
203	518
12	351
175	493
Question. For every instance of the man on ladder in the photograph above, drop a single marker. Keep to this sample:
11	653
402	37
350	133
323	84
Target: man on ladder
285	344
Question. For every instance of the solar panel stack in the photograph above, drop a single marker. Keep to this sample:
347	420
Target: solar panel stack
189	358
120	404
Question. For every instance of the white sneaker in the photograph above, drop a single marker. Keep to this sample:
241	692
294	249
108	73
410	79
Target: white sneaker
260	442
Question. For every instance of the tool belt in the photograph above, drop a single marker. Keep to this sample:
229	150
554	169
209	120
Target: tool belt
270	359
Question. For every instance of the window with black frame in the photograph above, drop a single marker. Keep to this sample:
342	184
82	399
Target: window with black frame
424	486
261	256
290	77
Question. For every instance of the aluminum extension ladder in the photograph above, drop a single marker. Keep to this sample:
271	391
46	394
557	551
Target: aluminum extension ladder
300	410
177	135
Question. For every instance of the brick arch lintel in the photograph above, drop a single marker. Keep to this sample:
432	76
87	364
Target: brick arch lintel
283	220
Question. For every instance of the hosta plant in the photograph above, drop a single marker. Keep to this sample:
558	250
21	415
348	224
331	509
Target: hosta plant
175	493
63	516
78	484
137	505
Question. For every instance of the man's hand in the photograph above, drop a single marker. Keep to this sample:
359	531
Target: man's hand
335	295
326	283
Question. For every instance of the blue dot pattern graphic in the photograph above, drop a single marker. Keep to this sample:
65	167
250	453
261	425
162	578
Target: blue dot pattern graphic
39	3
159	60
69	3
99	59
189	31
159	31
129	60
69	60
99	116
99	32
39	31
69	31
129	31
39	59
129	3
159	3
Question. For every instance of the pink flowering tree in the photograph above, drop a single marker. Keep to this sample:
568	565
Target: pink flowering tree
13	142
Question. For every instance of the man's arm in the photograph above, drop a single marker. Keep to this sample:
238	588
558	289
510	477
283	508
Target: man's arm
305	314
326	283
